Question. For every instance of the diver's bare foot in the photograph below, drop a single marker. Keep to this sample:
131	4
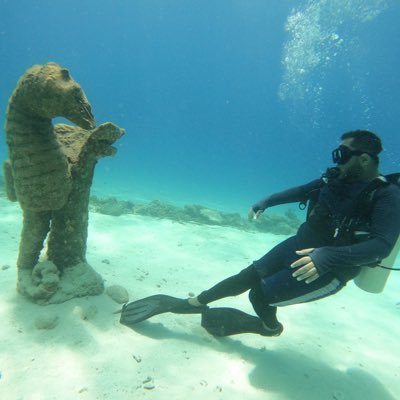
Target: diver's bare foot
193	301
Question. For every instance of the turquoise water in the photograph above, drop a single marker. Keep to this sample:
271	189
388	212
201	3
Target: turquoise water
222	102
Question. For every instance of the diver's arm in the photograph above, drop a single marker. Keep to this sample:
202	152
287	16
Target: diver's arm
293	195
385	230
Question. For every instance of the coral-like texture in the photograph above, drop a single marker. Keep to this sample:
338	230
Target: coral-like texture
50	171
40	171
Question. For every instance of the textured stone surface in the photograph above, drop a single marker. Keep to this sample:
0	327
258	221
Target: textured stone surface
50	171
40	171
9	181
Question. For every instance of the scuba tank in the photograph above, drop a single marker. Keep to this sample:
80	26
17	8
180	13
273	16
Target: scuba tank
373	280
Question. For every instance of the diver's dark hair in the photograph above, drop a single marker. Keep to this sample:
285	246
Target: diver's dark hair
365	141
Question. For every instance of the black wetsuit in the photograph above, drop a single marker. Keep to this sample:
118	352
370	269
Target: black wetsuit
338	257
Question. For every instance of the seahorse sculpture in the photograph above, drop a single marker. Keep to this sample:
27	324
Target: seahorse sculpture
50	171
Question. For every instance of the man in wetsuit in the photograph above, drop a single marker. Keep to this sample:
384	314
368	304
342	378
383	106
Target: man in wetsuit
353	221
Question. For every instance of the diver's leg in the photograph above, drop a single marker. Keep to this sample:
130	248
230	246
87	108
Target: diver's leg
283	289
232	286
266	312
273	261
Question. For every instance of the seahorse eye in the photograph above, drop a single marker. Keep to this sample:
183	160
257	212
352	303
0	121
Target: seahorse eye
65	74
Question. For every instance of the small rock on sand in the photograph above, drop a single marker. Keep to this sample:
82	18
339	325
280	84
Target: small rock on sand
118	293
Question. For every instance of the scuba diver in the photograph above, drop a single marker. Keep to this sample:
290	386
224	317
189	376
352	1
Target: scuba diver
353	221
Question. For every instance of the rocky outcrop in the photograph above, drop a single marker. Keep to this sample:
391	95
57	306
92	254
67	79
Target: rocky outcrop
279	224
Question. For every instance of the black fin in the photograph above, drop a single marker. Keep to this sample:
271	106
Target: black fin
225	321
140	310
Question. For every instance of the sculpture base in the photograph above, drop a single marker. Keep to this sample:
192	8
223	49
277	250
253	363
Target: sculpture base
45	285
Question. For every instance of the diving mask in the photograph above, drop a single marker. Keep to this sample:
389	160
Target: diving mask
342	154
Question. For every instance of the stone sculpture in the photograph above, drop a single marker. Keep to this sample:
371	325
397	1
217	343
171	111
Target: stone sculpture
50	171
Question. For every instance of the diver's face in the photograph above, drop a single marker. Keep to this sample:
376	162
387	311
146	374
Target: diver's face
353	168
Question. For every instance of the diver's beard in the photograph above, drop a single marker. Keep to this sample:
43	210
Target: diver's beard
351	175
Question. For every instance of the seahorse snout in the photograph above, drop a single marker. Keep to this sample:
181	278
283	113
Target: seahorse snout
78	110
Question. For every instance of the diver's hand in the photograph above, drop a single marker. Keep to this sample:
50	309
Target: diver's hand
253	215
307	270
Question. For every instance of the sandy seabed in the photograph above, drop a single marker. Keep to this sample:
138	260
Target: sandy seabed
343	347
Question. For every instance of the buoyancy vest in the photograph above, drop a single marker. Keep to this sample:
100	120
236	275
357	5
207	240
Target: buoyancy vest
353	227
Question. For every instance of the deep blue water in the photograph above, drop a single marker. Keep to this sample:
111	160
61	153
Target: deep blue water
221	104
